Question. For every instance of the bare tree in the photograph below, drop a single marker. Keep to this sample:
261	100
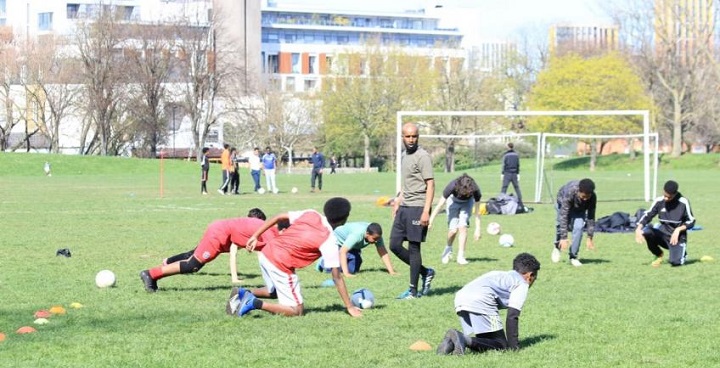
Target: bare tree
206	75
11	71
150	64
101	55
667	41
51	86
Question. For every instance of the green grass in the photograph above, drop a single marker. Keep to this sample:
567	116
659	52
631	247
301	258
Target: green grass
615	311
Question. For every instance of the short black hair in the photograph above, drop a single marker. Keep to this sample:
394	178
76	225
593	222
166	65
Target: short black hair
374	229
510	145
586	186
205	150
526	262
257	213
671	187
337	210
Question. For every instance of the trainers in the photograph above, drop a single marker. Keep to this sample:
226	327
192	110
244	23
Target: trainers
407	295
657	262
150	284
446	255
555	255
458	341
319	267
446	345
462	261
247	303
575	262
427	281
221	192
233	303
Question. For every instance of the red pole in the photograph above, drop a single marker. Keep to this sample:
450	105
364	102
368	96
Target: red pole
162	161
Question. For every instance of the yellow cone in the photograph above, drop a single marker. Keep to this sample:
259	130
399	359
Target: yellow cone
420	345
76	305
706	259
57	309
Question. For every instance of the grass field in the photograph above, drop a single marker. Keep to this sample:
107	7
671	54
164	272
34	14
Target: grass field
615	311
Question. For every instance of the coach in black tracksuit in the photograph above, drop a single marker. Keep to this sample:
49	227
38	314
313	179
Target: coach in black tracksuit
511	172
673	211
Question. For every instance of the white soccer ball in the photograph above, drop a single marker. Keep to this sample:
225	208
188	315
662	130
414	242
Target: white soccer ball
275	191
293	190
506	240
105	278
261	191
493	228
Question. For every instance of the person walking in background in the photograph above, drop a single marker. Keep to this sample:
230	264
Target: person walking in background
463	196
478	306
318	163
511	173
333	164
255	167
676	217
575	208
204	169
235	172
226	167
269	164
411	211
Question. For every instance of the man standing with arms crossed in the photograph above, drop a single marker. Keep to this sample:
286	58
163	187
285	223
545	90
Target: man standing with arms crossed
411	211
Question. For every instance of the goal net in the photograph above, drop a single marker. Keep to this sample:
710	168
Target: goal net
551	158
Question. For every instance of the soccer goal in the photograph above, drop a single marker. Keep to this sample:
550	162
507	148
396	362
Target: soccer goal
541	142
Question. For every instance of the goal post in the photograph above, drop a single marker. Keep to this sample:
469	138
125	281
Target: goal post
646	135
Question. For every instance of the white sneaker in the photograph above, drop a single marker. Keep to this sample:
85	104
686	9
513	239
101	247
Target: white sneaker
462	261
555	256
447	255
575	262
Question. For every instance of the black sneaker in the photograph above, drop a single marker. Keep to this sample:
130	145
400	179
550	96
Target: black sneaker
458	341
150	284
446	345
427	281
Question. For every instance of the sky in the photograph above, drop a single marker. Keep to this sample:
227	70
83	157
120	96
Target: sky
485	20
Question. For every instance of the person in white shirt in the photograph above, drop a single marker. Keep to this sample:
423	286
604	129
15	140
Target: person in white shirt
255	167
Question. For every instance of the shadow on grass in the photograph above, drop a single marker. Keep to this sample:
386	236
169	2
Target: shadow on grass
532	340
442	291
203	288
482	259
593	260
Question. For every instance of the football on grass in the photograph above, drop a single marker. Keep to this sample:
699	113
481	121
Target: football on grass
493	228
104	279
363	298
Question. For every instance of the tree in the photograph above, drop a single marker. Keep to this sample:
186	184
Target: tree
9	118
597	83
363	93
51	85
101	55
150	63
667	41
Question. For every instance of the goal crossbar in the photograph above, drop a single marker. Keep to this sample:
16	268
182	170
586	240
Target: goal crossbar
645	137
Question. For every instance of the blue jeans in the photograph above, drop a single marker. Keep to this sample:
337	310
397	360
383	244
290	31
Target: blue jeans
576	224
354	260
256	178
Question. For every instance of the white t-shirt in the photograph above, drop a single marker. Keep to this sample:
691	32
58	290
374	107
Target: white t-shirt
491	292
254	161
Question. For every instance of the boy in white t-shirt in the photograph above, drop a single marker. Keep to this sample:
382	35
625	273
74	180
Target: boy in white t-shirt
478	306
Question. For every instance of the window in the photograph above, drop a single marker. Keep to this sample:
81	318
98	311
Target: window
290	84
310	85
296	66
127	12
212	136
312	67
342	40
273	64
45	21
72	11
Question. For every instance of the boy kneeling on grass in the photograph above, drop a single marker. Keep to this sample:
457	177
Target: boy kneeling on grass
478	306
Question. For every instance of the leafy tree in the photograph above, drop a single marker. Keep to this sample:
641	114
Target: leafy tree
597	83
363	93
